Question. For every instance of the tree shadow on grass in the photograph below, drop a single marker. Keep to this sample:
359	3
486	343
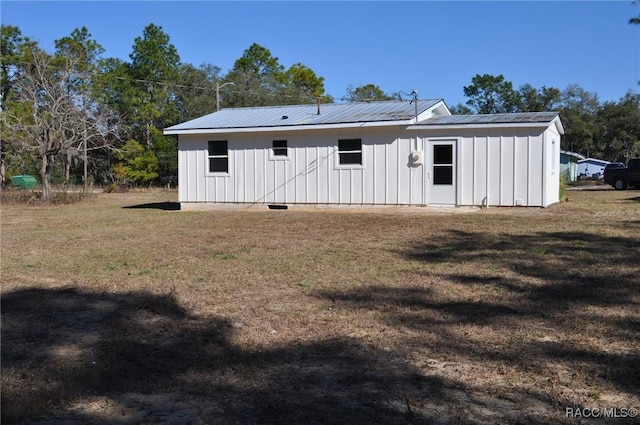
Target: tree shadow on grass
538	297
75	357
573	267
563	279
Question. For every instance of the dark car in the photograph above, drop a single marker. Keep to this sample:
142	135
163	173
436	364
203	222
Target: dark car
621	177
612	165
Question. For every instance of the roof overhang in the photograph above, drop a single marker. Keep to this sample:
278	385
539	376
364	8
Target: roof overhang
593	160
558	124
284	128
572	154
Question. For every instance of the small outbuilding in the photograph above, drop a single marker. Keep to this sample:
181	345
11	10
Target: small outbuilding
377	153
569	165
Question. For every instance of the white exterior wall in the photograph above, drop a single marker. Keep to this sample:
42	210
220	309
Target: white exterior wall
310	175
505	166
551	138
494	167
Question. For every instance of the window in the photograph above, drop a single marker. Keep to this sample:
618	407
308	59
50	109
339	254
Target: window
279	149
218	156
443	164
350	151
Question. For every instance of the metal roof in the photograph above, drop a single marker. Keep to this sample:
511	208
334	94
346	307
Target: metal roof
594	160
518	119
302	115
513	118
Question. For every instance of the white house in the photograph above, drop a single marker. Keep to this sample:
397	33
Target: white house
378	153
591	167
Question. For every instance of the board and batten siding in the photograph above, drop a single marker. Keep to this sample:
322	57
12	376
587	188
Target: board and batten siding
311	173
504	166
499	166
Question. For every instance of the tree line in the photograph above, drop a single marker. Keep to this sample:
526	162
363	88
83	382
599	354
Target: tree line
75	116
606	130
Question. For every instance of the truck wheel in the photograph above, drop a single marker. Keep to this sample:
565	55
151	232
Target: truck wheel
620	184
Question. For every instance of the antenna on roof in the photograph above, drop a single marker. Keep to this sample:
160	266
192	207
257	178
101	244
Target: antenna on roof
415	100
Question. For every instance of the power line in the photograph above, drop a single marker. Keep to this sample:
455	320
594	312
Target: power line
234	91
184	86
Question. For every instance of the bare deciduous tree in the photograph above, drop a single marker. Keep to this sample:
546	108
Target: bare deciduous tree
48	118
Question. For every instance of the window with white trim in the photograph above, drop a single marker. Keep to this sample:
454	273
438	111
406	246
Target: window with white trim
218	155
350	152
279	149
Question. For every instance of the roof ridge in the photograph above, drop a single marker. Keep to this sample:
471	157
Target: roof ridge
328	104
507	113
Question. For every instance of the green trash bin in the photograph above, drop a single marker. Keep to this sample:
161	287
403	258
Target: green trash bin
24	181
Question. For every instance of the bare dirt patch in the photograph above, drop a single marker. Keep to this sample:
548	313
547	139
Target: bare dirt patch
121	309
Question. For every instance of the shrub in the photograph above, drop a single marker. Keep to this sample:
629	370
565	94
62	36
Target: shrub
563	188
116	188
34	197
137	164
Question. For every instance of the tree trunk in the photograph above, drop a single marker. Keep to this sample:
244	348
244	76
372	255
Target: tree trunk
67	166
3	169
45	172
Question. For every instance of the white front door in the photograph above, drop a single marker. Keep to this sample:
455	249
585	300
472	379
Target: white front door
279	156
440	160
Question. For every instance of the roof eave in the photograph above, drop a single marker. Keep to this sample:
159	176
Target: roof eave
282	128
601	161
559	125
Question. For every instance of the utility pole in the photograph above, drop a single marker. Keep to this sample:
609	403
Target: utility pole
84	130
415	118
218	87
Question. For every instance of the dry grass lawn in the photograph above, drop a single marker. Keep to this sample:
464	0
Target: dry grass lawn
121	310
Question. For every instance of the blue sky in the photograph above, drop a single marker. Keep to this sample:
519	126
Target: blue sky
433	47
